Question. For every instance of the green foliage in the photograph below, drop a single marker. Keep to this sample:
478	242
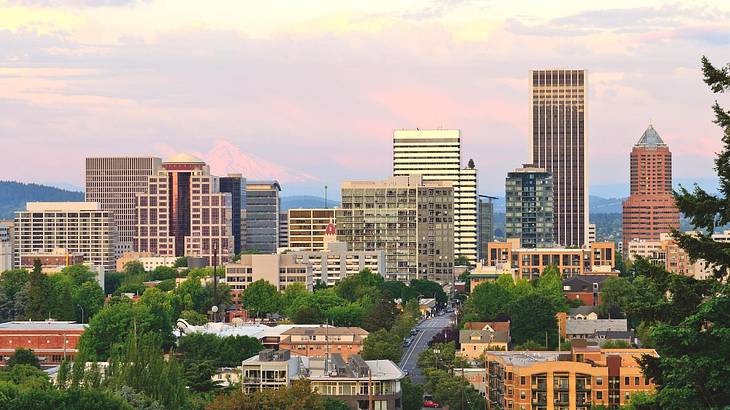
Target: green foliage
616	344
462	260
164	273
181	262
429	289
134	268
334	404
412	394
298	396
447	386
529	345
617	295
260	298
198	376
382	345
380	315
533	317
37	293
194	318
24	357
219	351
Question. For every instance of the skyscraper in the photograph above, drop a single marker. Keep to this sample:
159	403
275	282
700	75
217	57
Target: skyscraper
650	210
183	213
559	144
235	184
529	206
113	182
485	225
262	215
408	218
436	155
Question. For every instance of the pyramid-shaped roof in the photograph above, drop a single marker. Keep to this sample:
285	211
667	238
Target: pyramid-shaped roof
650	138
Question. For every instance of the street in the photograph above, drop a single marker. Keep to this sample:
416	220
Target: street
428	329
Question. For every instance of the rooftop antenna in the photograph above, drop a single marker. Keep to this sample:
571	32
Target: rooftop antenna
325	197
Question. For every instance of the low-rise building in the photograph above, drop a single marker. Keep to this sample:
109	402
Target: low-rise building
51	341
478	337
587	329
323	340
667	253
580	379
281	270
148	261
53	261
529	263
354	381
477	377
586	288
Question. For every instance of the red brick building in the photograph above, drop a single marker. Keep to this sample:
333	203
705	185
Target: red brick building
318	341
51	340
586	288
650	209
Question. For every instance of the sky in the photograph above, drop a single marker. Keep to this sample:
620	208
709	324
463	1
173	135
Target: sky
309	92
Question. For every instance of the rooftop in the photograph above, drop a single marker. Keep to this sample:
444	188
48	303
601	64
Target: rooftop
43	325
62	206
589	327
184	159
650	138
322	330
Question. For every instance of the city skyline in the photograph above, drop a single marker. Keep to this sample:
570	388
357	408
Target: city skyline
135	88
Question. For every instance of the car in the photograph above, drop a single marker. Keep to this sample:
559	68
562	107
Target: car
431	404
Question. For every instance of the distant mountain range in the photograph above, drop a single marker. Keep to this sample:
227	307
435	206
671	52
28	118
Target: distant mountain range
597	205
14	195
305	201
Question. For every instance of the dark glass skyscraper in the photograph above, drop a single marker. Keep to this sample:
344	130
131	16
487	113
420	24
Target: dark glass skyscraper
235	184
529	203
559	144
262	216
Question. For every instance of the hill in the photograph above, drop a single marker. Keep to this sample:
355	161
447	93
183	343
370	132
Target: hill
305	201
14	195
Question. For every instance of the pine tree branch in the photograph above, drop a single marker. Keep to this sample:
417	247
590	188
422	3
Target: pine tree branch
717	79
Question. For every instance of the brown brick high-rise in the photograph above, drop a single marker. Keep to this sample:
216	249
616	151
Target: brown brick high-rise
650	209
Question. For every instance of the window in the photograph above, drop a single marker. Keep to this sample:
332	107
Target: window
599	395
599	381
522	395
522	379
627	381
636	380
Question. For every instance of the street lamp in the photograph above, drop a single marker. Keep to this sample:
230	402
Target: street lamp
82	313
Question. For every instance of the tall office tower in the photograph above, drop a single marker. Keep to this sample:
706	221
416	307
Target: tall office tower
183	213
307	227
7	238
559	143
113	182
650	209
262	215
235	184
408	218
436	155
485	225
283	230
529	203
77	227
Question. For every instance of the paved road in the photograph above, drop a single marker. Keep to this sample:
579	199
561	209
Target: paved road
428	329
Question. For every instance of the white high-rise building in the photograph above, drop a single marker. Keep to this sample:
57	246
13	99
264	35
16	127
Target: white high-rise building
559	144
77	227
113	182
436	155
6	245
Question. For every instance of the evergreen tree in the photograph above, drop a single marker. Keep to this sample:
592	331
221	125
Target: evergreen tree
37	293
694	342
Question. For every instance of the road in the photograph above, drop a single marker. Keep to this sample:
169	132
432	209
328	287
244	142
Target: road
428	329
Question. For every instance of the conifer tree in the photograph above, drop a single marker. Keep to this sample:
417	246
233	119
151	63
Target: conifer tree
37	293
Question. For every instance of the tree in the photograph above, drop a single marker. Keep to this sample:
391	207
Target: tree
164	272
198	376
381	314
617	297
194	318
24	357
533	317
487	301
297	396
260	298
134	268
219	351
181	262
693	345
616	344
291	294
412	394
308	315
90	297
382	345
530	345
37	293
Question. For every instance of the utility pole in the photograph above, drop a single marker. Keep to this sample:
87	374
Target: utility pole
215	284
325	197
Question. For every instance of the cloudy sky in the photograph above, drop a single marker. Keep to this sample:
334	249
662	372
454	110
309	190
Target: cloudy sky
309	91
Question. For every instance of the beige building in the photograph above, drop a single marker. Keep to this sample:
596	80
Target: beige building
183	213
408	218
113	182
436	155
667	253
323	341
307	227
148	261
7	238
335	262
280	270
78	227
478	337
577	380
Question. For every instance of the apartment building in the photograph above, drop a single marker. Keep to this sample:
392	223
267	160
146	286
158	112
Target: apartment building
77	227
529	263
308	227
667	253
114	182
318	342
580	379
7	239
408	218
354	381
182	212
529	207
263	210
280	270
436	156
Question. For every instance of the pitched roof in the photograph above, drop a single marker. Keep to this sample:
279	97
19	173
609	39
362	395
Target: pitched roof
332	331
584	310
497	326
650	138
584	283
589	327
485	336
